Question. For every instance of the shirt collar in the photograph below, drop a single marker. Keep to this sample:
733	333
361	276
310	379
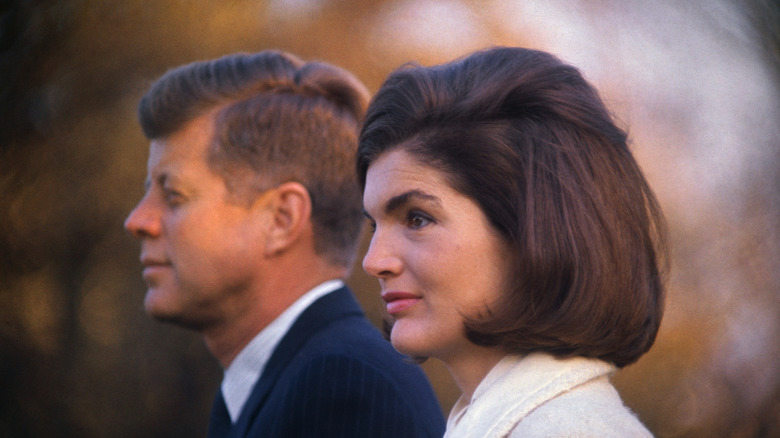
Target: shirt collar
242	374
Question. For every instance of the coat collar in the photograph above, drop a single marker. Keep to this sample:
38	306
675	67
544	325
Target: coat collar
517	385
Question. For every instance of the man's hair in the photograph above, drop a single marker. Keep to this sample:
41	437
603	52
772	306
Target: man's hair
531	142
278	119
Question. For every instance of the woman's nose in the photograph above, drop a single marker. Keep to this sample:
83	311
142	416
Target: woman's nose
381	259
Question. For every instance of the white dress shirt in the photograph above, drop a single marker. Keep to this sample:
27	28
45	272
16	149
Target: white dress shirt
242	374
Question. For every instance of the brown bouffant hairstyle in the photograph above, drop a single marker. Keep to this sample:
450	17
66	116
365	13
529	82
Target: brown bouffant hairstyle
277	119
531	142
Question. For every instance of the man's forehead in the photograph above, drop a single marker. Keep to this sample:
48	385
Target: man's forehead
167	162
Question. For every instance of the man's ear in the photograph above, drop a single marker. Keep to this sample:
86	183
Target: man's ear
290	216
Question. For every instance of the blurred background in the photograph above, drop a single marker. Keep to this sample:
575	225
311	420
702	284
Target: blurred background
696	83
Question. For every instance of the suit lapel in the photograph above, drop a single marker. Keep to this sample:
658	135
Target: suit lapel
331	307
219	422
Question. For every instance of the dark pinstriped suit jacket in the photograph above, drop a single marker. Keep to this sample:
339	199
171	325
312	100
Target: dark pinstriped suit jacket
333	375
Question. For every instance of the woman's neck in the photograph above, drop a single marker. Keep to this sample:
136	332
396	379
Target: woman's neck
470	368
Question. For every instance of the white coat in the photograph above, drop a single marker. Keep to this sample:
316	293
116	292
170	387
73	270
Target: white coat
539	395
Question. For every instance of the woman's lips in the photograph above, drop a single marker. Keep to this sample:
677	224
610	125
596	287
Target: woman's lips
397	302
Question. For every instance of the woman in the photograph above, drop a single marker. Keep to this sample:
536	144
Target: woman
514	238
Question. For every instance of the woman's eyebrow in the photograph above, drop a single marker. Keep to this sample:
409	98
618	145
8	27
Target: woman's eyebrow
396	202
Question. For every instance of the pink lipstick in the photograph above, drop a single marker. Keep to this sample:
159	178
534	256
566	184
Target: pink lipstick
399	301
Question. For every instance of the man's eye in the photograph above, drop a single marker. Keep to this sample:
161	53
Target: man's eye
173	197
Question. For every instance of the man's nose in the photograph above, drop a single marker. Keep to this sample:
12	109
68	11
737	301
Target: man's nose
144	220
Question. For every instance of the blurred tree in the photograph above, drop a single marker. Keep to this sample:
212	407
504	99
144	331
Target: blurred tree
78	356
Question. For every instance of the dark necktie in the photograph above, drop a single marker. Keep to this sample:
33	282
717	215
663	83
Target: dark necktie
219	423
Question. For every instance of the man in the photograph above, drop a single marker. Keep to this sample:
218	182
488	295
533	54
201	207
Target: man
248	226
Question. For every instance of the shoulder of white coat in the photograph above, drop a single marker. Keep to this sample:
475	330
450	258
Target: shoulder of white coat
593	409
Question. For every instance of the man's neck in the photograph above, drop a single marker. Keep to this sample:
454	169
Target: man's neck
226	339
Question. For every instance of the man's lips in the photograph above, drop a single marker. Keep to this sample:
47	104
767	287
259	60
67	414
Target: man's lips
150	261
152	264
397	301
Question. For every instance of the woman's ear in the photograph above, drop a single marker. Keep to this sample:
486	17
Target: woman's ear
290	216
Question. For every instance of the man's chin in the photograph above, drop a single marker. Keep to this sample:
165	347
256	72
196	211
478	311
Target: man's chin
177	320
160	310
168	309
174	317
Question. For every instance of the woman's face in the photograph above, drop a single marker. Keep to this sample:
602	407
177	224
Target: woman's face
434	252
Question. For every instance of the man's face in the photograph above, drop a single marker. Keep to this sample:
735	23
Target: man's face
199	250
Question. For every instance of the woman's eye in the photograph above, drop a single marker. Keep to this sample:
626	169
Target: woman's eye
417	220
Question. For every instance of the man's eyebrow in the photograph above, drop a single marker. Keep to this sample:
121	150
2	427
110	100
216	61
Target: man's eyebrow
160	179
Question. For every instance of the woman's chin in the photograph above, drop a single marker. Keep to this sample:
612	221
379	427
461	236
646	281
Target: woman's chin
406	344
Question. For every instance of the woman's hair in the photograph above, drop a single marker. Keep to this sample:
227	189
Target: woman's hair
531	142
278	119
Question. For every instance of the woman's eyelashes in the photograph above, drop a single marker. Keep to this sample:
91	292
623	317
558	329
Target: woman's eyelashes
416	219
371	225
413	219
